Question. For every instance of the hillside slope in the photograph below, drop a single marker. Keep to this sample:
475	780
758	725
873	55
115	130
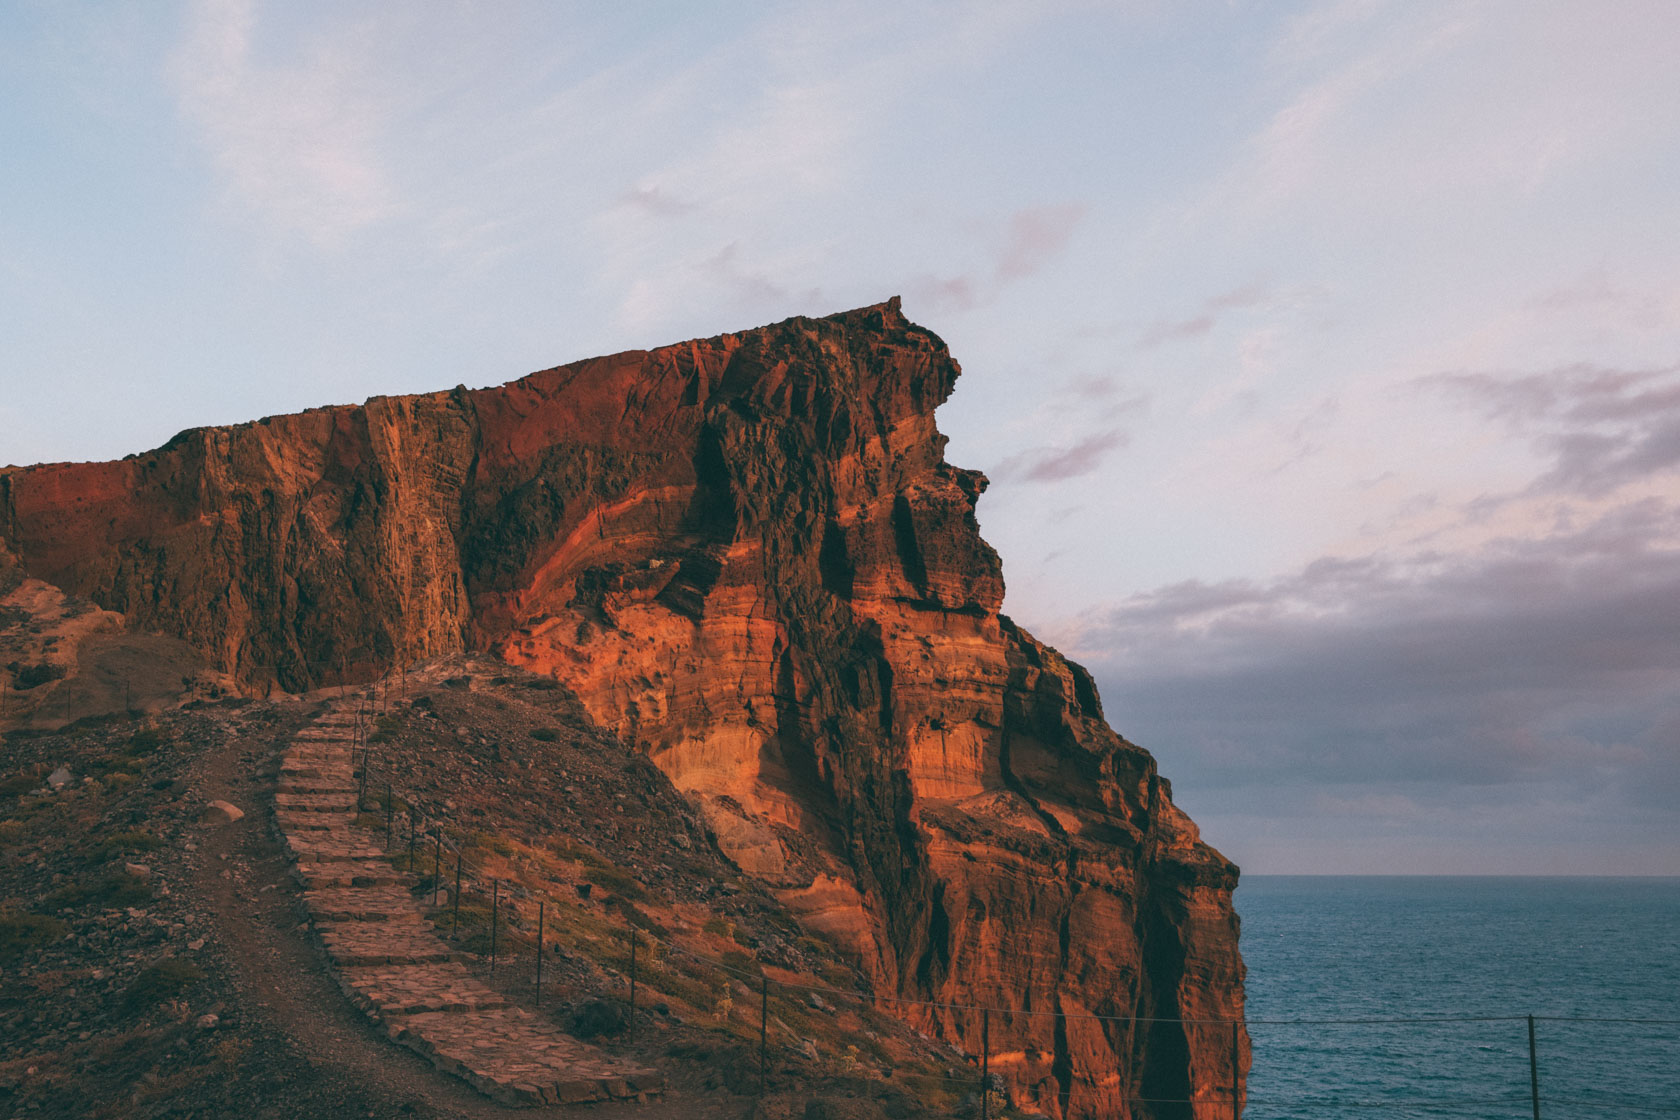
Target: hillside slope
747	556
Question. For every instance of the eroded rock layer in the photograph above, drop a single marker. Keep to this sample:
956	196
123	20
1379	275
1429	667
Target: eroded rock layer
748	555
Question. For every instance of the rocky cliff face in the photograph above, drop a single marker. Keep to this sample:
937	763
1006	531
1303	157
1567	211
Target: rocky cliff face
747	555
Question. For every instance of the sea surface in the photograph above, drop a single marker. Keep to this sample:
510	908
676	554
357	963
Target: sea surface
1493	949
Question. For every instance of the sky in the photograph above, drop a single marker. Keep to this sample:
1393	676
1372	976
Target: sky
1324	357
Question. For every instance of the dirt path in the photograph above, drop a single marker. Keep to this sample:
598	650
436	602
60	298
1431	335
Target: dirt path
242	876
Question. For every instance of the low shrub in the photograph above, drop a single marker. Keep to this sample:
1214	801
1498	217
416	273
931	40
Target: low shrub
597	1017
25	677
149	739
640	920
132	840
14	784
109	891
618	882
21	932
158	982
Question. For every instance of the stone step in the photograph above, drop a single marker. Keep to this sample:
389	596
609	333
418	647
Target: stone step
328	846
311	822
391	962
331	784
350	873
417	989
316	802
371	903
352	944
321	757
308	768
512	1057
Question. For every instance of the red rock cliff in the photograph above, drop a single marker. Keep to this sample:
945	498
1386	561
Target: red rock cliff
748	554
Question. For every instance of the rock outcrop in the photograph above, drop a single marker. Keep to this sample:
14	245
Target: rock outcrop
748	555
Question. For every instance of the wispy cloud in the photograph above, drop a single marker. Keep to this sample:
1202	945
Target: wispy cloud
1056	463
1601	428
1037	235
1203	320
656	200
295	143
1023	244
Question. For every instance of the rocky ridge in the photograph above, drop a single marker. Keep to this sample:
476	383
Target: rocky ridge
747	556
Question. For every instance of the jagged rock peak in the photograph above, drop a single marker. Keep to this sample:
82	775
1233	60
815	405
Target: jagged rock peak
747	556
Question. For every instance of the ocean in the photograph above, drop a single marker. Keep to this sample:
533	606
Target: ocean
1488	950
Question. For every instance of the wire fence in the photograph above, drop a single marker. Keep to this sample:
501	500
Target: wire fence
452	877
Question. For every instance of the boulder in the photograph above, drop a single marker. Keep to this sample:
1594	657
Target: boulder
221	812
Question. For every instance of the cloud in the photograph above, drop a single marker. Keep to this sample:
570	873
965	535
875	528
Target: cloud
656	200
1036	237
1537	670
1025	244
751	285
1055	464
1205	318
293	143
1600	428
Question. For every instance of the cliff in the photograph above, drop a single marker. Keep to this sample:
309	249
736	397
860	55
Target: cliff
746	555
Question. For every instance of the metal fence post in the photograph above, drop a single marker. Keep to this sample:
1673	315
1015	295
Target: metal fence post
387	816
437	865
763	1032
632	981
495	898
985	1063
1533	1071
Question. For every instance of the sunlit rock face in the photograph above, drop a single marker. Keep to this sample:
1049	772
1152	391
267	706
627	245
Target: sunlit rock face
748	555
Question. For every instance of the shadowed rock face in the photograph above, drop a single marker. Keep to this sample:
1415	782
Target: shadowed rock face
748	555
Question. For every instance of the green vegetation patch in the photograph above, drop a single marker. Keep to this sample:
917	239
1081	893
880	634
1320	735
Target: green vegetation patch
22	932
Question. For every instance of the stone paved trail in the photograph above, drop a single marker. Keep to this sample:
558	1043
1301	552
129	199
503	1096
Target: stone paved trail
391	963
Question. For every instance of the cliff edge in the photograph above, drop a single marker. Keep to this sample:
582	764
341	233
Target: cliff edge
748	557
